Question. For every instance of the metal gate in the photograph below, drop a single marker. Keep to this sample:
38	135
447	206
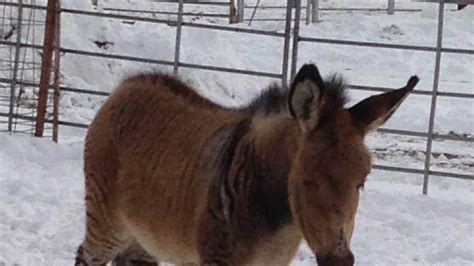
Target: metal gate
20	96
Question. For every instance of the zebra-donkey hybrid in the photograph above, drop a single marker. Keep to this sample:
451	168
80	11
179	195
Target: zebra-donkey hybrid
171	176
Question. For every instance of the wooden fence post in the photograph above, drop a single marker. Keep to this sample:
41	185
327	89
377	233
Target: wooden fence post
57	71
48	45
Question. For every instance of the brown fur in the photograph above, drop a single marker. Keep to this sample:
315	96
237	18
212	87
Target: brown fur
188	181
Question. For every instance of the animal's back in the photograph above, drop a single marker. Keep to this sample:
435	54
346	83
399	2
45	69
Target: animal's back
142	161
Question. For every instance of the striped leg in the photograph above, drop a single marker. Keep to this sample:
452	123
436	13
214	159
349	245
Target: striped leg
134	256
105	235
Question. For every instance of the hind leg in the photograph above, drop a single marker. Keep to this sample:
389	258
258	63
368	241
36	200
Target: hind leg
98	250
135	255
105	237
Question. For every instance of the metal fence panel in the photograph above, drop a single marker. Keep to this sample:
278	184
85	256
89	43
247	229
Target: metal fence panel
291	39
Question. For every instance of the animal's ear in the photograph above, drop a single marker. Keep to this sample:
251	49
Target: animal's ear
372	112
304	98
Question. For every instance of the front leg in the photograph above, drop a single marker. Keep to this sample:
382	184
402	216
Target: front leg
215	244
219	244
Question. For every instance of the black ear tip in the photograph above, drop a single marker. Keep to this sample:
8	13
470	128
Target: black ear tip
309	68
412	82
308	71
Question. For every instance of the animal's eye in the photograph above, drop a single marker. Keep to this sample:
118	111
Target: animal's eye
360	186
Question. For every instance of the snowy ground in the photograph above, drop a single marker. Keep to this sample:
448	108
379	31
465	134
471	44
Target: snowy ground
41	184
42	212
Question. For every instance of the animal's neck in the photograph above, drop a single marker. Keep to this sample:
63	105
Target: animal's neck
274	145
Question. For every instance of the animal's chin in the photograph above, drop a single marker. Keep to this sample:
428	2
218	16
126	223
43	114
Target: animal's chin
333	260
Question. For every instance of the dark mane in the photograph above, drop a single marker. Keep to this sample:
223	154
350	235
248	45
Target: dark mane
271	101
335	89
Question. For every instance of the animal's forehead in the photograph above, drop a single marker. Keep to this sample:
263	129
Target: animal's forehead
334	137
337	158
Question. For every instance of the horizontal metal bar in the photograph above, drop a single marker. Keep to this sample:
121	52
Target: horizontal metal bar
342	8
230	70
233	29
116	56
28	118
462	2
72	124
22	45
32	118
26	62
453	137
370	9
63	88
386	45
196	3
205	3
421	171
166	12
397	169
457	50
452	175
417	92
274	19
20	82
29	6
22	68
402	132
34	22
82	91
116	16
369	44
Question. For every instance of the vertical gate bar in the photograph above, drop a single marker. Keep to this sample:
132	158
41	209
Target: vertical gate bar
15	66
308	11
57	71
296	38
232	12
45	67
254	12
315	15
391	7
179	27
240	11
429	143
286	45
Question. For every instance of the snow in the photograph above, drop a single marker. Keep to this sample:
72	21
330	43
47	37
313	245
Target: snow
41	183
42	212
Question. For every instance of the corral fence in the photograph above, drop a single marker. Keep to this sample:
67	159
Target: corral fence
35	103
